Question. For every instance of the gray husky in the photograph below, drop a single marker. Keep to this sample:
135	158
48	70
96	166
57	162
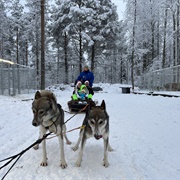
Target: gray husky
96	124
49	115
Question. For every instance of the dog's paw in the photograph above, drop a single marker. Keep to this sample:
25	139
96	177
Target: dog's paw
44	163
105	164
35	147
78	163
110	149
75	148
63	165
68	142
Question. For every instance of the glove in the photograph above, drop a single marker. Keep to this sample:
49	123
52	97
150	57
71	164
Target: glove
90	96
74	97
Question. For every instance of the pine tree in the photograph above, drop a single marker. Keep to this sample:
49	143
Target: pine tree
16	18
6	39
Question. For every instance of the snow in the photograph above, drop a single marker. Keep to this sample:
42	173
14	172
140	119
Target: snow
144	133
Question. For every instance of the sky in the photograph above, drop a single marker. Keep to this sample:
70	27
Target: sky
120	8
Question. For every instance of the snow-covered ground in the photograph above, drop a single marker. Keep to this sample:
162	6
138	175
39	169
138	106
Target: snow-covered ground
144	133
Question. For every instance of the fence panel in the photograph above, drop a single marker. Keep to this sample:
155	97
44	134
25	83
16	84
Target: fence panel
161	80
16	79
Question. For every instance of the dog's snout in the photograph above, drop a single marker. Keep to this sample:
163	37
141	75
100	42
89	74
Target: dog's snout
97	137
34	124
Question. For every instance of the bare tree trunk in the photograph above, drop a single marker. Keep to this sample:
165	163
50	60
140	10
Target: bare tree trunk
79	2
164	40
178	33
42	46
80	49
133	45
17	46
145	55
17	60
1	44
66	58
174	40
178	41
58	63
121	71
114	65
152	38
37	53
92	57
26	53
37	59
158	35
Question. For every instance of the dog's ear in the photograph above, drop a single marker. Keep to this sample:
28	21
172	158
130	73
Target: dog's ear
91	105
37	95
53	101
54	98
103	105
53	104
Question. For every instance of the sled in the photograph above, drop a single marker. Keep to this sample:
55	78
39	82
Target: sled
78	105
97	89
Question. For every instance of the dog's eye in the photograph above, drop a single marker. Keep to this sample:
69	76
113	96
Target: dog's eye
92	122
41	112
100	122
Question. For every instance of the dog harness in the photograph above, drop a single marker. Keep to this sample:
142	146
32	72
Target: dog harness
51	120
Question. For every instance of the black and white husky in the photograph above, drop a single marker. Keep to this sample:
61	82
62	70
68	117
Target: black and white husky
96	124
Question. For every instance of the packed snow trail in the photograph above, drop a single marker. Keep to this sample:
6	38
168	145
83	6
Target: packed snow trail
144	133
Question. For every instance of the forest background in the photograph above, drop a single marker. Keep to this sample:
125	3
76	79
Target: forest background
57	38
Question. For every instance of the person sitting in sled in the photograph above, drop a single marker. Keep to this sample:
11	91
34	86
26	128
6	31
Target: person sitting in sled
81	92
86	77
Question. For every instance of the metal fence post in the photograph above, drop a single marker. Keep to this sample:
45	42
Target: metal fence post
2	84
9	81
13	81
28	80
171	78
18	79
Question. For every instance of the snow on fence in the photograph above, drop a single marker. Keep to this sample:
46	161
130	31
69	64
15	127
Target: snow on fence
16	79
167	79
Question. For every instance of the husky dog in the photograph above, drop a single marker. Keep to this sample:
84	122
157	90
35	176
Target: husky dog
96	124
49	115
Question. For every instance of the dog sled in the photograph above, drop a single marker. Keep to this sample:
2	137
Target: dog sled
79	105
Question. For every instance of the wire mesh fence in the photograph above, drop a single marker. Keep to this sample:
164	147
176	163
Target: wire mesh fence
161	80
15	79
18	79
